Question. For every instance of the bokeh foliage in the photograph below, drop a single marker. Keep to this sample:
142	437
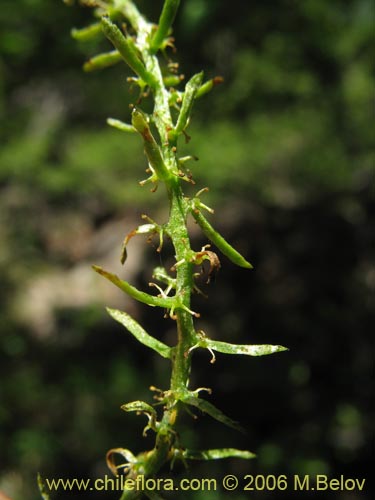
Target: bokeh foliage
286	145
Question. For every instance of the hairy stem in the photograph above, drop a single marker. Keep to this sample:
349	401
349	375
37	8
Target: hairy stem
139	52
177	229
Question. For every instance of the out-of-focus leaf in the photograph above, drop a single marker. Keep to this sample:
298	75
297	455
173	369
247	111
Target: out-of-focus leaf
140	334
216	454
211	410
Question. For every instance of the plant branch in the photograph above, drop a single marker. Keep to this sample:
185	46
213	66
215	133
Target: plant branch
139	52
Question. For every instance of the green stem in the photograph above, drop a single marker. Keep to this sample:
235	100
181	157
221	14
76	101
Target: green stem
186	336
139	52
177	229
165	22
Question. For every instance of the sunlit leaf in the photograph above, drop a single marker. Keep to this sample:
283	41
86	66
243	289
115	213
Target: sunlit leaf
152	149
165	22
208	86
124	127
146	298
127	49
140	406
146	409
102	61
249	350
219	241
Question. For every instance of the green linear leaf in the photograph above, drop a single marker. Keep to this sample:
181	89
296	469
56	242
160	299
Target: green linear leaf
249	350
172	80
124	127
208	86
211	410
88	33
216	454
127	49
147	410
102	61
140	334
140	406
165	22
219	241
188	98
143	297
152	149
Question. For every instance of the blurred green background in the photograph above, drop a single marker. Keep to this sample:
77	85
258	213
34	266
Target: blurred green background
286	145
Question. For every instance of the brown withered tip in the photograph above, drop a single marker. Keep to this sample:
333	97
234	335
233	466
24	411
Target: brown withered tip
217	80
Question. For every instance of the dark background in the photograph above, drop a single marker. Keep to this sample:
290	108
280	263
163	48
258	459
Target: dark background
286	147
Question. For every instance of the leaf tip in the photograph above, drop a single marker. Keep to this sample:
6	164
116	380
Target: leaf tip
247	265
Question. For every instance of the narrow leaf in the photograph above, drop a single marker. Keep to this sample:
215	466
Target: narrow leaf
139	333
146	409
102	61
219	241
217	454
172	80
146	298
249	350
127	49
140	406
211	410
165	22
88	33
124	127
208	86
191	89
152	149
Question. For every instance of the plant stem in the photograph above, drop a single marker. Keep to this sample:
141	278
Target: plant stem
177	229
184	284
139	53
